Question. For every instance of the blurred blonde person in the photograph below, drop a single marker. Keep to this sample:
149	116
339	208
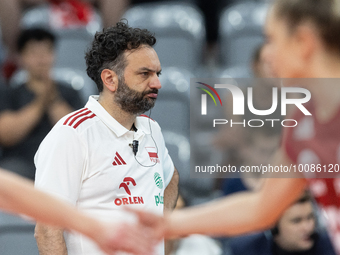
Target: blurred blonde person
302	42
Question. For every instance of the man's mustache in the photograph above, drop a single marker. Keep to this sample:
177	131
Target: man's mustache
153	91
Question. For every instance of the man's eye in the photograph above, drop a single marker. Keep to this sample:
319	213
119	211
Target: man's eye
145	73
159	74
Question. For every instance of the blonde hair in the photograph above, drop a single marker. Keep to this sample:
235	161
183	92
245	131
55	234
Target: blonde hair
323	14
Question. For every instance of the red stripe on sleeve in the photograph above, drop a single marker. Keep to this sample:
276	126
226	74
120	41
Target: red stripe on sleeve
78	117
83	119
80	111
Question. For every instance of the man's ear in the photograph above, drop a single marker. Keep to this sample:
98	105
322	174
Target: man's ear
110	79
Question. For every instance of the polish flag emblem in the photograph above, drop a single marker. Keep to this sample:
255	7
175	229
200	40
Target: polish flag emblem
152	151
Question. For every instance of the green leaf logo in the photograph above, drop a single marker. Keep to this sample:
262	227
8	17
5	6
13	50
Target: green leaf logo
158	180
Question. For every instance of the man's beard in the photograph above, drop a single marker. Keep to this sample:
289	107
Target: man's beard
132	101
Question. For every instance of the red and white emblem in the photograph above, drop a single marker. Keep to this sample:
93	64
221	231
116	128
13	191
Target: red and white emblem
130	200
152	151
125	184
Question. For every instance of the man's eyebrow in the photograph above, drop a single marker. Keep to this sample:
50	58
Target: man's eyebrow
149	70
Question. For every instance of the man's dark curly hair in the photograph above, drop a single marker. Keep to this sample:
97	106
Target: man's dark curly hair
108	47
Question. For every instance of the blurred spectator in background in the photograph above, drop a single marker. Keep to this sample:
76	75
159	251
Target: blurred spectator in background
77	10
212	11
29	111
258	148
294	234
244	145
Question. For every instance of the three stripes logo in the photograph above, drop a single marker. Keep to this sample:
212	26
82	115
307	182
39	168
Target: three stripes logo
78	117
204	97
118	160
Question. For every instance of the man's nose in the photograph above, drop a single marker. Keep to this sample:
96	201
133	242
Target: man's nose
155	82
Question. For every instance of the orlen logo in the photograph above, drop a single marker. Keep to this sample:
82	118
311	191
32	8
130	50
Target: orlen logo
128	200
125	184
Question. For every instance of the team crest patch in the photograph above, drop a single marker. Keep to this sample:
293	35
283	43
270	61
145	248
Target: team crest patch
152	151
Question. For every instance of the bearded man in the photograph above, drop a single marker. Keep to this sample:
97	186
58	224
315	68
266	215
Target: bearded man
108	156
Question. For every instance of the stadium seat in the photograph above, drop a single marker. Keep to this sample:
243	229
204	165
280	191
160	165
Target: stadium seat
172	106
241	31
179	149
74	78
178	27
16	236
38	16
172	113
71	47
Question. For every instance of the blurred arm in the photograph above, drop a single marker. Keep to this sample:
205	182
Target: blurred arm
240	213
18	195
